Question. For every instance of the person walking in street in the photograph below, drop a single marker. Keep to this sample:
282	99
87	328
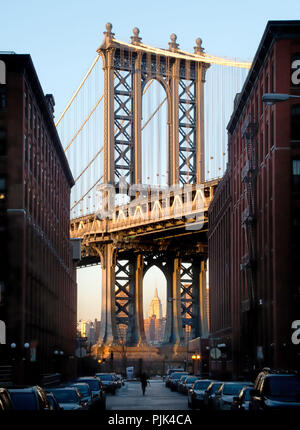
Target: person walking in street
144	382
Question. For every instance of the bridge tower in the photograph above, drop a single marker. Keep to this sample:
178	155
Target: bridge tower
128	69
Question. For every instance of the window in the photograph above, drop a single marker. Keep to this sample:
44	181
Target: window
2	188
29	157
34	122
272	79
29	115
266	149
295	122
296	176
25	148
25	104
2	98
267	84
2	142
272	130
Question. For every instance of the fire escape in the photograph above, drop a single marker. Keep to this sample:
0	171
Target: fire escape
249	259
249	131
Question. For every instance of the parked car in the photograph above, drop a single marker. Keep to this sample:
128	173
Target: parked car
29	398
98	393
85	392
196	393
54	405
189	382
209	394
228	390
167	377
241	402
174	378
275	390
69	398
5	400
120	379
108	381
180	385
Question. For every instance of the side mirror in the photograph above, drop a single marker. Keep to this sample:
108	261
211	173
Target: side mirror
236	399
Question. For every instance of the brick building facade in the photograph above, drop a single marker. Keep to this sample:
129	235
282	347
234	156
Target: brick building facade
263	172
38	279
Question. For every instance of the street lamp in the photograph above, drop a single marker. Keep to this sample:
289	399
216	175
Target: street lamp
196	358
272	98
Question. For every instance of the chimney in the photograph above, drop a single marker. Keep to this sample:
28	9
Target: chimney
50	103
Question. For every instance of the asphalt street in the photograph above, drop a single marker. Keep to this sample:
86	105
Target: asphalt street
157	397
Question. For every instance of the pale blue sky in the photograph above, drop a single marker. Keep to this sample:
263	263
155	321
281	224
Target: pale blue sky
62	38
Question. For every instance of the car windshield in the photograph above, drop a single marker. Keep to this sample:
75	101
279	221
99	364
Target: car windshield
66	396
93	384
23	401
105	377
284	386
214	387
83	389
232	389
182	379
191	379
201	385
177	375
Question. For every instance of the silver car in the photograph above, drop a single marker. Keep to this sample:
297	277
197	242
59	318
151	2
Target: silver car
69	398
196	393
85	392
225	394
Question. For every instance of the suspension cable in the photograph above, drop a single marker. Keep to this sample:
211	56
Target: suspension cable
83	124
154	113
82	197
91	162
77	91
205	58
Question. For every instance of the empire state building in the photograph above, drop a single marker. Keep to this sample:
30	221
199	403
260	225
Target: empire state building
155	307
155	323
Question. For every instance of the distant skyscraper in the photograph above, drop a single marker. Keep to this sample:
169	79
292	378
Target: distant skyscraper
155	323
155	306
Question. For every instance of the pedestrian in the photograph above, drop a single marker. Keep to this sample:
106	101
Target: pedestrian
144	382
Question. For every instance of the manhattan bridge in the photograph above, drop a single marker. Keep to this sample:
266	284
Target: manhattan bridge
147	147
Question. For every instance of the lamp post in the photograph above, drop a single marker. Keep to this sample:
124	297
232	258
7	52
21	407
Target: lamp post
272	98
196	359
20	358
58	355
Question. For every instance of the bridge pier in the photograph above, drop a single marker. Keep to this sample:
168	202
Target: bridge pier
173	331
136	333
122	318
108	330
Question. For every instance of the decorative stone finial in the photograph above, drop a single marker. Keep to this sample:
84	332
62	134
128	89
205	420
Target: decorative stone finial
135	39
198	48
173	46
108	33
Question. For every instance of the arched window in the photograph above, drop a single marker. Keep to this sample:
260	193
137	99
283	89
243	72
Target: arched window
154	294
155	144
